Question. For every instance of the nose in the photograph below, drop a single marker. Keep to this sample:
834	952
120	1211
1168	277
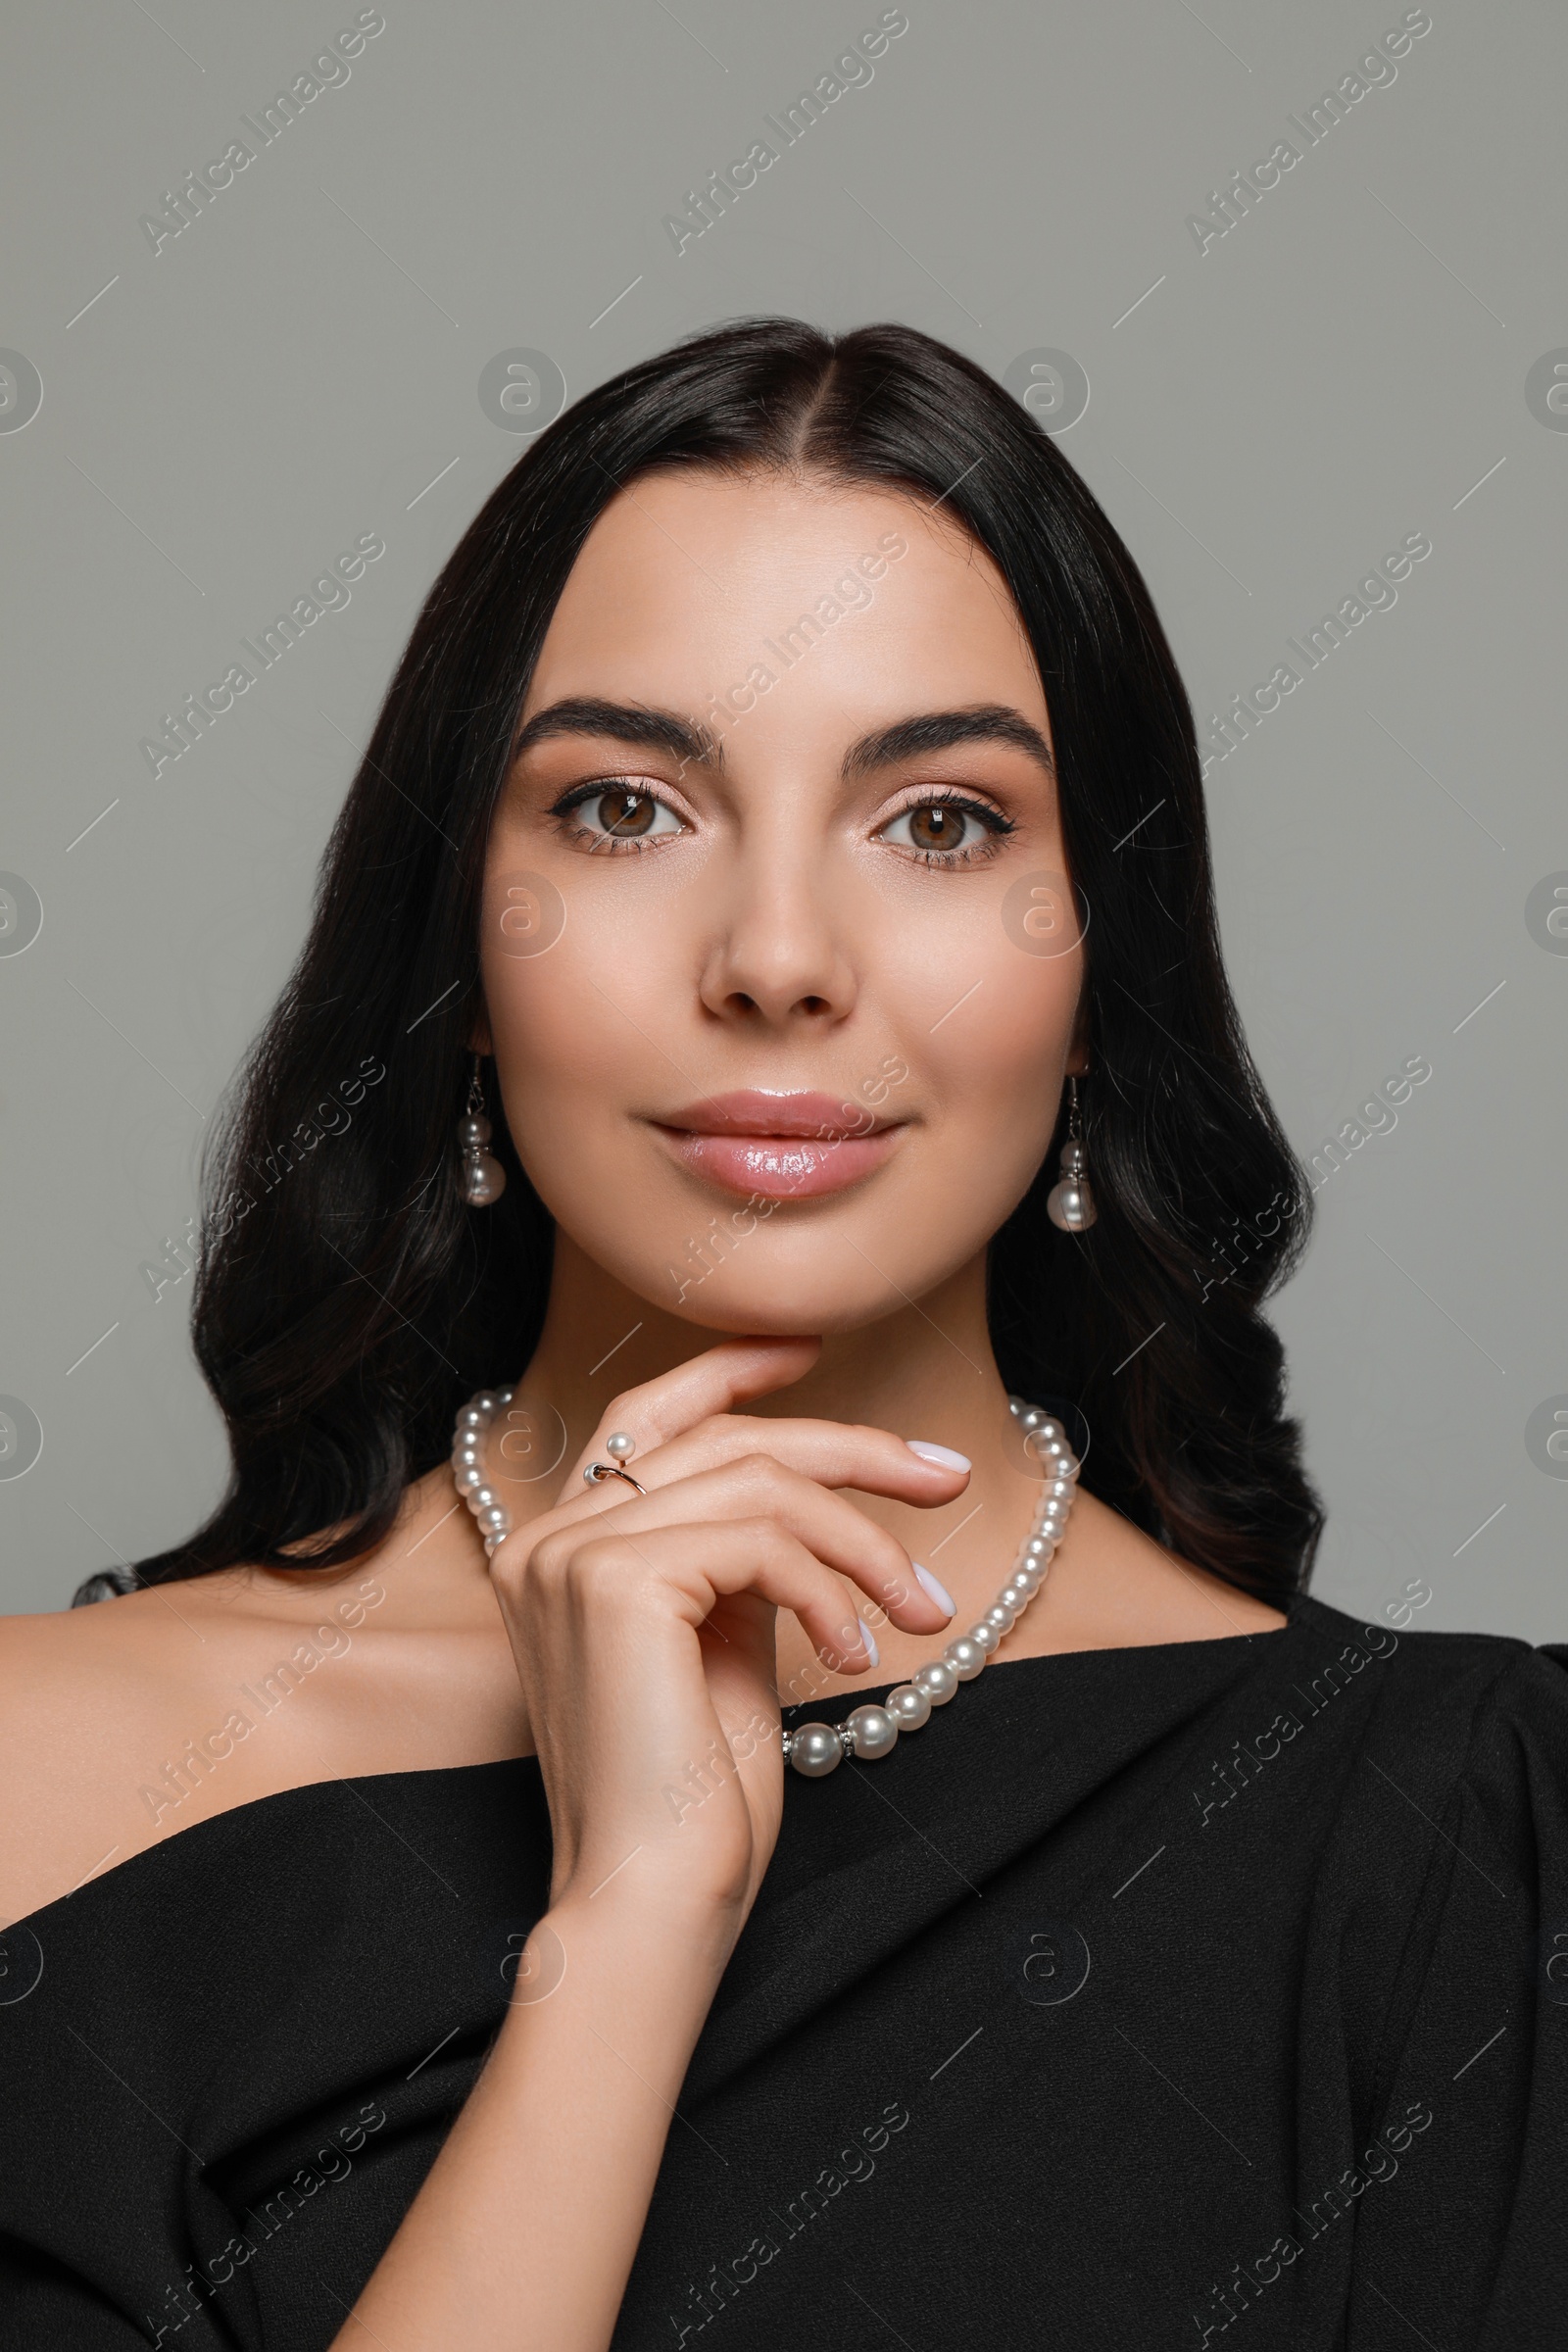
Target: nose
778	955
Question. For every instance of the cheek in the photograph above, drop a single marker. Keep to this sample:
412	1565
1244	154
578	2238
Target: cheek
573	1016
995	1060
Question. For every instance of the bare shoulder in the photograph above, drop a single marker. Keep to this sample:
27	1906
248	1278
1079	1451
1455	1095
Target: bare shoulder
118	1725
85	1696
65	1674
130	1720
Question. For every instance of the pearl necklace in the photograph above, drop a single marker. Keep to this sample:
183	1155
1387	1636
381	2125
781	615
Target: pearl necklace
870	1730
816	1749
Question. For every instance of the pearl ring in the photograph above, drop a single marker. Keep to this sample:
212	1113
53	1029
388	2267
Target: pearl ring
622	1446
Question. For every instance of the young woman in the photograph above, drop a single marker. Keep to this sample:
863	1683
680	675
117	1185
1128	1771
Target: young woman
747	1233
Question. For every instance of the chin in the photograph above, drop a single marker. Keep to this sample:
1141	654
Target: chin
800	1295
783	1313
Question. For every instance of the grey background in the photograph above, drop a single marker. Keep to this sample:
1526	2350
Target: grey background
300	365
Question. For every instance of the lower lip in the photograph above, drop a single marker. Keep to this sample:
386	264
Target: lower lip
784	1167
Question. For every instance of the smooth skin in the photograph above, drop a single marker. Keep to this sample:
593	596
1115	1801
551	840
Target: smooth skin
761	887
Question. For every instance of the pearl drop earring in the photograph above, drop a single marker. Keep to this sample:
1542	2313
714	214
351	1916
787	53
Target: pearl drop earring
1070	1205
481	1178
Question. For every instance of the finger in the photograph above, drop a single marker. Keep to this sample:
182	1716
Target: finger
700	1563
836	1454
759	1485
721	1377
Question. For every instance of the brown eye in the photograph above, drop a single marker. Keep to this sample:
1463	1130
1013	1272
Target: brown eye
936	826
948	831
599	814
624	812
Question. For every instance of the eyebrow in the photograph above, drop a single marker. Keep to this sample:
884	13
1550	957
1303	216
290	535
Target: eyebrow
688	739
940	730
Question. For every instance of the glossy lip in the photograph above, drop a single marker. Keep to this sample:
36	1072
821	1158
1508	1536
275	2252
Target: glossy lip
779	1147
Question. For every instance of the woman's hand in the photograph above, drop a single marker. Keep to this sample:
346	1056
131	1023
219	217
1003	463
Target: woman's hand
642	1632
643	1625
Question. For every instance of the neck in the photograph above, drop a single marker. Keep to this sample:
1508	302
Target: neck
920	1370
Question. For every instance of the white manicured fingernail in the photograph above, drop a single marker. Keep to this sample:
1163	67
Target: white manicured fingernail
943	1455
934	1589
869	1639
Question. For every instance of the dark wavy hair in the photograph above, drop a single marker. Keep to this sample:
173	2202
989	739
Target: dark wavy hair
346	1303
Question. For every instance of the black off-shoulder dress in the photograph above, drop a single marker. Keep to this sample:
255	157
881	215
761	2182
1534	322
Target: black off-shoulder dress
1207	1994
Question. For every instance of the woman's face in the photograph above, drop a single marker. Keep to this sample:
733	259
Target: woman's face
779	958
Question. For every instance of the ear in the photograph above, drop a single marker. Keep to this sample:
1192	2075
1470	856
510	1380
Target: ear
479	1038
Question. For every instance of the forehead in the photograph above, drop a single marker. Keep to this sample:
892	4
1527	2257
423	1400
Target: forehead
852	599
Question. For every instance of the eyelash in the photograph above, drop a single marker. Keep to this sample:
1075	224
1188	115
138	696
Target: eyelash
600	844
996	826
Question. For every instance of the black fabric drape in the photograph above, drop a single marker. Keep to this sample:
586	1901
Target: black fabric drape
1212	1993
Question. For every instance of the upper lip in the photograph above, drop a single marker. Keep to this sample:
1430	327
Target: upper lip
751	1111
